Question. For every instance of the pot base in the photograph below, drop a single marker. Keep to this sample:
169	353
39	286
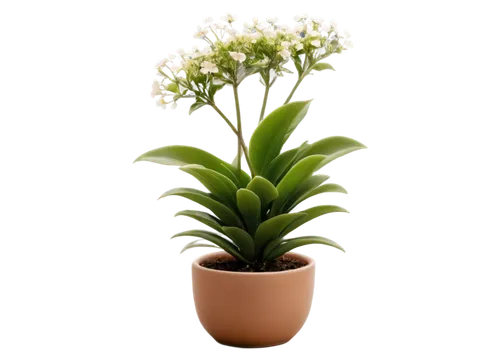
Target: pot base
251	348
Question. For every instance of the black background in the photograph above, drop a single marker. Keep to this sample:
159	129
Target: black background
146	307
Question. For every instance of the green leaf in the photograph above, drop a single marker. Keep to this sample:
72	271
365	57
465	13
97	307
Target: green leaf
333	148
298	174
279	164
249	207
242	239
197	244
312	213
302	146
271	229
287	71
264	189
297	61
244	178
273	131
228	216
204	218
183	155
327	188
173	87
224	244
306	186
195	106
240	173
291	244
322	66
219	185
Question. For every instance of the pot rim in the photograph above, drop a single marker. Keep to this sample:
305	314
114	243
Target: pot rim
196	265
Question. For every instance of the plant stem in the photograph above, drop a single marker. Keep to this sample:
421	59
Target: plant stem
264	103
238	119
299	80
240	138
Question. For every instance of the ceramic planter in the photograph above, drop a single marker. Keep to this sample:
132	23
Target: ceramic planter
252	309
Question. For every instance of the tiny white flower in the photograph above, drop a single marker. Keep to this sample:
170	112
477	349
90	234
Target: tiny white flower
231	16
299	46
217	26
156	89
348	44
316	43
195	48
272	20
229	39
175	68
161	63
204	51
255	21
163	104
284	53
172	56
255	36
208	67
333	24
269	33
347	34
181	52
238	56
208	20
283	27
232	32
300	18
321	51
314	33
326	28
286	44
317	20
203	32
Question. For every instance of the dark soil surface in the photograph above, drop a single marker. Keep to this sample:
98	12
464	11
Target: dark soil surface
280	264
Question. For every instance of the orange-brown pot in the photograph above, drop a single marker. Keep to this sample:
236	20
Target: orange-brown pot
252	309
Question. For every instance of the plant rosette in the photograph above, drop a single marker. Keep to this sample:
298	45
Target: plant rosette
238	292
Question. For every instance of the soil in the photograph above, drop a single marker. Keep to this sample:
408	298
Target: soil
280	264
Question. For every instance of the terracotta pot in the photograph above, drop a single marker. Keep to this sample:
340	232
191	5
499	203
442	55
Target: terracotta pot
252	309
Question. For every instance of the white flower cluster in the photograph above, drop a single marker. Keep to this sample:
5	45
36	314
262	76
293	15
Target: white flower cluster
231	54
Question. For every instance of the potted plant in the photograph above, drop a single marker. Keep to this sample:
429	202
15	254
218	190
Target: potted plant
255	292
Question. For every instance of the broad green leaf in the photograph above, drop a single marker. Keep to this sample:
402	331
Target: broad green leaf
300	172
195	106
198	244
249	207
228	216
323	66
271	245
204	218
271	229
327	188
291	244
306	186
312	213
244	178
240	173
264	189
242	239
333	148
273	131
298	156
218	184
183	155
224	244
279	164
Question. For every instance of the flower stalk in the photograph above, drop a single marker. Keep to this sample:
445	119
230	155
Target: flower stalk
264	102
294	89
239	129
241	141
